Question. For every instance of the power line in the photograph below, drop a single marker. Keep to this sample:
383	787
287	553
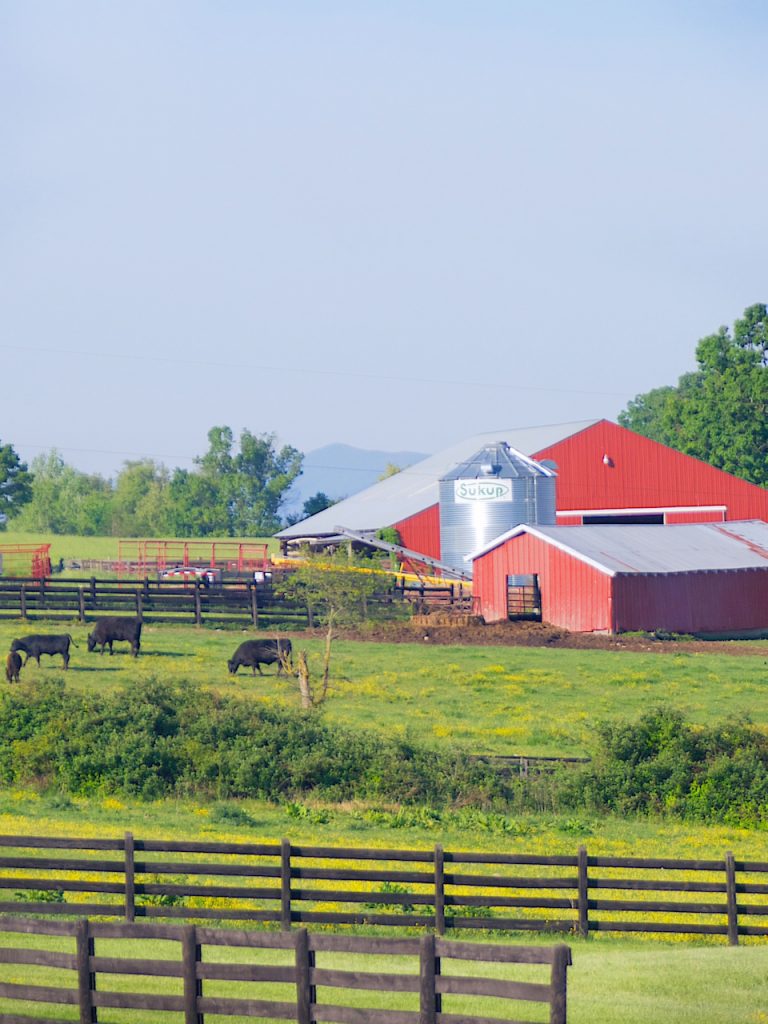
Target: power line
310	371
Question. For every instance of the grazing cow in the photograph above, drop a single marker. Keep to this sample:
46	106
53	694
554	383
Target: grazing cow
112	628
260	652
13	667
44	643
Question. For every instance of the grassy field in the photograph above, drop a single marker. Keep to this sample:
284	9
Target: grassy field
72	547
611	981
614	979
486	699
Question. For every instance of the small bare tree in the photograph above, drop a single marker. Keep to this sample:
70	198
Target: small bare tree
337	595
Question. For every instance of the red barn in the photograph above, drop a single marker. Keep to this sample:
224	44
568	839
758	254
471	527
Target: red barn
702	578
606	474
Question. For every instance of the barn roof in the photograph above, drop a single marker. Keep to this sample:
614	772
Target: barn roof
416	488
616	550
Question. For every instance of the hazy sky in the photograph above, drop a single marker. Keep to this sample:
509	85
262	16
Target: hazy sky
389	224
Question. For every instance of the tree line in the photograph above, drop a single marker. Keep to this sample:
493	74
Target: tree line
236	489
717	413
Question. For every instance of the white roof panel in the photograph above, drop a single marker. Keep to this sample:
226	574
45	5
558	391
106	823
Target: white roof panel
692	547
416	487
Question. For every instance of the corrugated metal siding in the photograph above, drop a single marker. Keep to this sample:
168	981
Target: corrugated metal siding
422	532
574	596
644	474
676	518
569	520
697	602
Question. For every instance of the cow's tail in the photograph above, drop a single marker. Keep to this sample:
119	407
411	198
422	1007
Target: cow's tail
72	640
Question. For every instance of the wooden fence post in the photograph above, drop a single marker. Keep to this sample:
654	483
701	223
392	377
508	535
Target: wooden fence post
23	600
130	879
254	605
193	986
285	885
198	605
439	889
81	604
559	984
139	606
93	591
86	982
583	893
730	895
305	990
429	1000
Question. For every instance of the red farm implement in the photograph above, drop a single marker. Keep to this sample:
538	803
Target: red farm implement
25	560
149	557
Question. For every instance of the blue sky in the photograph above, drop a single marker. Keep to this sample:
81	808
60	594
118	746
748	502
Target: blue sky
385	224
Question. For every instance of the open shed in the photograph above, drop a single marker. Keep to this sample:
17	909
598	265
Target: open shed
695	578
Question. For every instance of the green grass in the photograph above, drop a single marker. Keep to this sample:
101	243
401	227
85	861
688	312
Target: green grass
485	699
72	547
613	982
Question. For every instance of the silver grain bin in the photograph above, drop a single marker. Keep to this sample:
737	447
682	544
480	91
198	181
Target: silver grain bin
496	489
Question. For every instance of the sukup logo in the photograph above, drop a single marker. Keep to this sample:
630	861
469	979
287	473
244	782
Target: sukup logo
482	490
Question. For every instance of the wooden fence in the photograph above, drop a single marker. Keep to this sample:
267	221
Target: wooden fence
170	601
286	884
212	986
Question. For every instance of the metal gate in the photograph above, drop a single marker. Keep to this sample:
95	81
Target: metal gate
523	598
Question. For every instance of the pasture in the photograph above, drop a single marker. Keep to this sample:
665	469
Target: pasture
498	700
614	982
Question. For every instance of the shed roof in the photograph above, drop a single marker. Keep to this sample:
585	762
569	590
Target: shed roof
417	487
616	550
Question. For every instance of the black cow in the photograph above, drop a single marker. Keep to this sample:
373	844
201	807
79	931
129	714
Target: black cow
112	628
44	643
261	652
13	667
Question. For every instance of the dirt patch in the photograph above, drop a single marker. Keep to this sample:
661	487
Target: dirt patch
537	634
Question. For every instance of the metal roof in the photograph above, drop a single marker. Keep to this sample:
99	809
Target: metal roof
416	488
694	547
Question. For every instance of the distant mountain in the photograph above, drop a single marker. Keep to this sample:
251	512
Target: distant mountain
340	470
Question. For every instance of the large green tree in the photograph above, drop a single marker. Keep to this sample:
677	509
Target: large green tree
718	413
141	500
15	483
64	500
235	490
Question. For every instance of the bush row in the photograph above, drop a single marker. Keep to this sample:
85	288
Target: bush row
159	739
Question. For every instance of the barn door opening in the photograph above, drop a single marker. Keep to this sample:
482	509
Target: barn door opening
523	597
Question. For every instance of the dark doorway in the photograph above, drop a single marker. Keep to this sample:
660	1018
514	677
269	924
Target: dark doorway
523	598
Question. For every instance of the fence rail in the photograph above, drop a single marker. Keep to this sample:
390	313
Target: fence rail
170	601
289	884
424	992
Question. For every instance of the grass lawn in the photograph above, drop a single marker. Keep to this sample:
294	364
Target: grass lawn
485	699
615	981
72	547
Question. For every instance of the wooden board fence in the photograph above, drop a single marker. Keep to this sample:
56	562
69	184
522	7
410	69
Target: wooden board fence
171	601
424	989
287	885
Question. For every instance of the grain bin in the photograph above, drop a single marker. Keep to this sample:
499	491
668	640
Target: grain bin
494	490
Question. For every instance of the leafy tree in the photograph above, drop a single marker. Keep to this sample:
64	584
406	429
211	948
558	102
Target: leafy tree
15	483
719	413
141	500
317	503
64	500
390	470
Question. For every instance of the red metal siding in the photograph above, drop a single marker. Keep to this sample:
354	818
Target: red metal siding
643	474
695	602
573	594
421	532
